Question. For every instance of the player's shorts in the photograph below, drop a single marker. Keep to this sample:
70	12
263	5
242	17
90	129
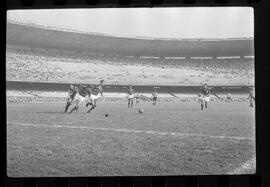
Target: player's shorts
131	96
204	98
78	98
93	97
154	98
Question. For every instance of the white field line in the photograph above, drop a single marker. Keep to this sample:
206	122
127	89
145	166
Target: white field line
132	131
246	168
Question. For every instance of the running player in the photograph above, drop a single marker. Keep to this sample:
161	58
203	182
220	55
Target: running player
204	96
154	97
93	95
71	94
251	97
79	98
130	96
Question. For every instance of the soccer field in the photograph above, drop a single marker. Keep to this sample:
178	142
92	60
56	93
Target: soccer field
171	138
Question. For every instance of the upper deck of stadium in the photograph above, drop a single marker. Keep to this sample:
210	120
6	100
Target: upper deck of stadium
63	39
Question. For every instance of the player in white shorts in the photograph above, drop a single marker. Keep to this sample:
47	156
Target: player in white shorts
130	96
204	96
79	98
94	94
73	90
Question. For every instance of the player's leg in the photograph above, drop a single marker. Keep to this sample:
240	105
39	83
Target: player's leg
131	103
78	100
91	103
128	102
202	104
88	101
68	104
137	99
76	105
81	100
206	100
251	102
94	104
201	101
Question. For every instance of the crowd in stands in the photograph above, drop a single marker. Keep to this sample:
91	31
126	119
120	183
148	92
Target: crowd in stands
32	99
26	65
33	65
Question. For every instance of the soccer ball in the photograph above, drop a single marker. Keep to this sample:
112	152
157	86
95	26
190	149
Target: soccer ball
140	111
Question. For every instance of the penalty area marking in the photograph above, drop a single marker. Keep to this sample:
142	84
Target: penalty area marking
132	131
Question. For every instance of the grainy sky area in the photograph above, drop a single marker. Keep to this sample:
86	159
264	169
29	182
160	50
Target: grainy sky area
214	22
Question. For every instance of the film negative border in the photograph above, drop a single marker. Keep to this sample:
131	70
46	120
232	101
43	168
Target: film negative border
29	4
188	181
262	73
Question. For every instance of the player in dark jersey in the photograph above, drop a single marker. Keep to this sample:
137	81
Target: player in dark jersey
71	94
94	94
154	97
130	96
79	97
251	98
204	96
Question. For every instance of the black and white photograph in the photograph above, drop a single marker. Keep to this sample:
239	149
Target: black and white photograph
130	92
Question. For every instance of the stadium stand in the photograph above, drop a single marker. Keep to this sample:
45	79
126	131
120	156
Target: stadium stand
27	65
47	54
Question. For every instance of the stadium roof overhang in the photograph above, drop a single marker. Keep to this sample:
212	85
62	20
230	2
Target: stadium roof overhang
37	36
